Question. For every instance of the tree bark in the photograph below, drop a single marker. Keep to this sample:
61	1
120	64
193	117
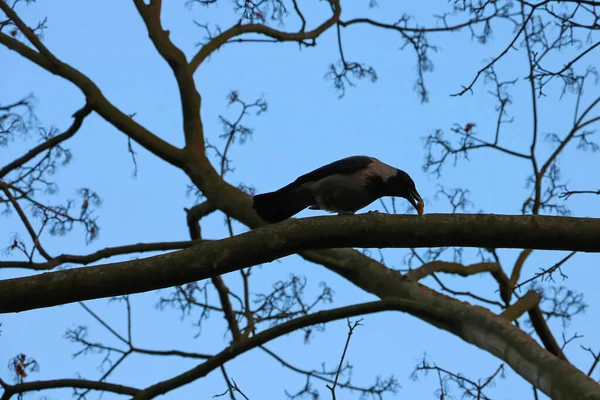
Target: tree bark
212	258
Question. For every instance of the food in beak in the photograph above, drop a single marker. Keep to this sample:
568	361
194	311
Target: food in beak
420	207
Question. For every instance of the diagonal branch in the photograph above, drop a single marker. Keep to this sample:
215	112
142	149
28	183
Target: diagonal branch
45	59
543	331
280	330
524	304
579	124
99	255
34	236
79	116
469	87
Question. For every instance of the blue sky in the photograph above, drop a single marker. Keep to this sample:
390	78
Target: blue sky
306	126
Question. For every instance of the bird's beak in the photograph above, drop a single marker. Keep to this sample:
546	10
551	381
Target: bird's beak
414	198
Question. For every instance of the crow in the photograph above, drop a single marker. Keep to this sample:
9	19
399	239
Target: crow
344	186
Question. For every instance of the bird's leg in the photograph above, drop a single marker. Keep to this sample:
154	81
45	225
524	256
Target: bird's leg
346	212
373	211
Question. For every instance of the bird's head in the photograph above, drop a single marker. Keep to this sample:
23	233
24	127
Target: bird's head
402	185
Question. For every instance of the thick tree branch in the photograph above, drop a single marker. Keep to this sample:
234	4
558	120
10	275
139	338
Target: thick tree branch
100	254
10	390
238	30
475	325
190	98
269	243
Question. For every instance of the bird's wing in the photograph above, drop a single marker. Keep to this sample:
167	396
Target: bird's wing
344	166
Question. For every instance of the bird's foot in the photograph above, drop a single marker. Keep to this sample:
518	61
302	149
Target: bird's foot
373	211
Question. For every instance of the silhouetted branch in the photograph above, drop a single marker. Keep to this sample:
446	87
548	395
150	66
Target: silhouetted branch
470	389
233	387
99	255
47	60
351	328
347	68
78	116
469	87
547	272
380	387
595	356
263	337
568	193
237	30
367	230
35	386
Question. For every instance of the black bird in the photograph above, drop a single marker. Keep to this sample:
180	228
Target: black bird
344	186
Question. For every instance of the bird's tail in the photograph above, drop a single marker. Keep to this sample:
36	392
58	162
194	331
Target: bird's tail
282	204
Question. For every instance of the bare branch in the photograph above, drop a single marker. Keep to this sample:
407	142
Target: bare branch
34	235
238	30
388	385
190	98
545	272
543	331
217	257
568	193
79	116
351	328
469	87
94	97
524	304
451	268
99	255
263	337
34	386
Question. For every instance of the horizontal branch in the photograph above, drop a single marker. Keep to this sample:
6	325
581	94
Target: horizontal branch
100	254
10	390
402	29
271	242
452	268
